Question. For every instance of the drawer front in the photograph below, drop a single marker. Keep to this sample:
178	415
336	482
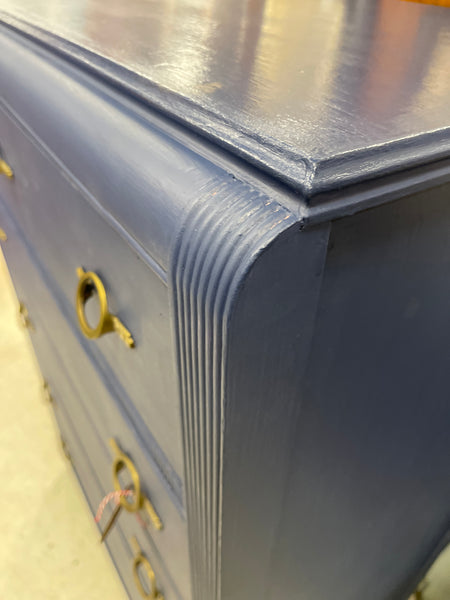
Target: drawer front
82	446
84	397
66	232
76	453
120	539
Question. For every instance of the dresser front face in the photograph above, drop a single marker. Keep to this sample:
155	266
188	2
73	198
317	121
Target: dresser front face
112	386
66	233
90	415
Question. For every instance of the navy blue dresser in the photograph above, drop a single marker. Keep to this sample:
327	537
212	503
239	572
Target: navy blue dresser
228	226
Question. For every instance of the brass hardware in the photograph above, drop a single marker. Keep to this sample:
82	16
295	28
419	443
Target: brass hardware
3	236
140	501
141	561
24	318
65	449
150	509
419	593
5	169
107	322
47	394
122	461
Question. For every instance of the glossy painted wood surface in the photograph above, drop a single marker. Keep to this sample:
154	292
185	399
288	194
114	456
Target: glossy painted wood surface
372	446
41	197
312	91
259	405
74	384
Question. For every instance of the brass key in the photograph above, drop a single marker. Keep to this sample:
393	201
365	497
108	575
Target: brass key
140	501
110	523
113	517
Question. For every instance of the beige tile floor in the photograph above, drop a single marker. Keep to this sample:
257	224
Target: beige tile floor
50	548
49	544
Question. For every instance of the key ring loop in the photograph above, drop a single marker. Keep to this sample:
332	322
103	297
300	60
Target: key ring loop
86	281
122	461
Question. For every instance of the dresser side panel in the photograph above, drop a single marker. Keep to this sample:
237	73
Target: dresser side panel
368	498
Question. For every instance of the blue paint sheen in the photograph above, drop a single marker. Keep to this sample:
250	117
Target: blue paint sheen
309	91
263	188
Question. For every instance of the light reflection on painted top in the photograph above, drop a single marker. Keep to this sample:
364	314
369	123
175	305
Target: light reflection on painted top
312	79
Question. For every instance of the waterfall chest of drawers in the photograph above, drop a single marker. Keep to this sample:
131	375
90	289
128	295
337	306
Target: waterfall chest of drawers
228	226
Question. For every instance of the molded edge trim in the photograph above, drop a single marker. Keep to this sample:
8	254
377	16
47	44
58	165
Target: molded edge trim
214	250
298	173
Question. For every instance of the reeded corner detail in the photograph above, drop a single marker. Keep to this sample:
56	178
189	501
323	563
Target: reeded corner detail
220	239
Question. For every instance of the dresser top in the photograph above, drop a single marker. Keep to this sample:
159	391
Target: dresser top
319	93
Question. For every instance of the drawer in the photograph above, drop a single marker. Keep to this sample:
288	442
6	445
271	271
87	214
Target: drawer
116	543
120	539
82	446
67	230
97	393
94	413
